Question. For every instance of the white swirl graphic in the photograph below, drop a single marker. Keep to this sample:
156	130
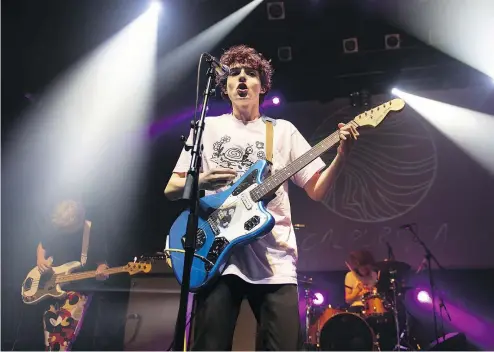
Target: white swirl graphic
389	172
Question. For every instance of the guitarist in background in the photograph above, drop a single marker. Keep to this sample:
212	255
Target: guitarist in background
63	319
265	271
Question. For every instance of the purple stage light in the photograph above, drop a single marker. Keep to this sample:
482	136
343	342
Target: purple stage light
318	299
424	297
276	101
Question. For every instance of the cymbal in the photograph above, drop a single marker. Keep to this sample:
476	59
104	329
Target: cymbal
305	280
388	265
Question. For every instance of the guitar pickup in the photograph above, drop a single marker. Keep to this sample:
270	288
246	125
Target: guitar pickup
247	202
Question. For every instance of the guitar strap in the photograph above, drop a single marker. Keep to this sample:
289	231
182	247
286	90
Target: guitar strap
269	138
85	241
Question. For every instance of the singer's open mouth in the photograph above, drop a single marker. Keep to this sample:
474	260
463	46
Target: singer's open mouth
242	90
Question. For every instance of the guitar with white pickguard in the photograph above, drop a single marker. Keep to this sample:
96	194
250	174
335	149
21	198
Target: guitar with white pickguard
39	286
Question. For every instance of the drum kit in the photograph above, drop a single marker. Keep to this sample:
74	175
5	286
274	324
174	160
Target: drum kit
379	322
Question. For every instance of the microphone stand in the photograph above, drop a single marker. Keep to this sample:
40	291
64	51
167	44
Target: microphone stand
428	257
191	194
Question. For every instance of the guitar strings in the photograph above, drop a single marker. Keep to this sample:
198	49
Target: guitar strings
63	276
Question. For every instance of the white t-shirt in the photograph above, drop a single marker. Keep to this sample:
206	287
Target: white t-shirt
229	143
352	280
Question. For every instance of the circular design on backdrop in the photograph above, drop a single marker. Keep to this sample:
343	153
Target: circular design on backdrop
390	170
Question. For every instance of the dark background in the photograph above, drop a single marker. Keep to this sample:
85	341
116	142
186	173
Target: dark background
41	39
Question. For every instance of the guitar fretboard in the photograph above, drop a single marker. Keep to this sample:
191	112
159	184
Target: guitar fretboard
88	274
275	180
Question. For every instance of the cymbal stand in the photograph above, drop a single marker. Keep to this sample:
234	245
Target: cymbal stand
308	309
392	273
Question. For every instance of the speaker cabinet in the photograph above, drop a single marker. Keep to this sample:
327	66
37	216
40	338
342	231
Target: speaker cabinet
152	313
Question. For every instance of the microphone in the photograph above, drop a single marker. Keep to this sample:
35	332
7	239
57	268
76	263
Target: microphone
221	70
422	265
390	251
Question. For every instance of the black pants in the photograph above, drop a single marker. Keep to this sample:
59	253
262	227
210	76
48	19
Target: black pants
274	306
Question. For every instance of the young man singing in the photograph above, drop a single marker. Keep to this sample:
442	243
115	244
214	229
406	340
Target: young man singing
265	271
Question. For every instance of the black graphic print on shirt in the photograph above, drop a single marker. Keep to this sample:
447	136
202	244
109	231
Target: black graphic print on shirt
234	156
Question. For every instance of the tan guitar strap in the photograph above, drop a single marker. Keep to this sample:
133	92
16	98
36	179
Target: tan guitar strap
269	140
85	241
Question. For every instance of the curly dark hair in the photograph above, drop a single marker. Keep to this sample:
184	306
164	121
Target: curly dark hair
361	257
245	55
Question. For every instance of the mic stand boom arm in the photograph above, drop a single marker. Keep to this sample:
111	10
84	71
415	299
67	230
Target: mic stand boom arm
191	194
429	256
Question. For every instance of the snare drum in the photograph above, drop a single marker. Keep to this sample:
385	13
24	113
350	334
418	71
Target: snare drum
373	304
315	329
347	332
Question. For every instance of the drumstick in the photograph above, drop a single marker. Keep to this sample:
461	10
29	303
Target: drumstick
354	273
349	267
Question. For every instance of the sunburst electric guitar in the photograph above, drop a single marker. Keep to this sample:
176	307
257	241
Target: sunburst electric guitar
38	287
238	215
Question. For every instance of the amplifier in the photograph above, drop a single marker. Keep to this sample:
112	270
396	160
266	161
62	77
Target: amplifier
152	311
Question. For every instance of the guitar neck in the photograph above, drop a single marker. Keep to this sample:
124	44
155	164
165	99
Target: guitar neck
272	182
88	274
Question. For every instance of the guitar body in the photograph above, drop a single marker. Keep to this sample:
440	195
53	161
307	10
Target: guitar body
226	220
38	287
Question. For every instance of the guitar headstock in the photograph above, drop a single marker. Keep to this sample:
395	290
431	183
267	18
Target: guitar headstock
376	115
138	267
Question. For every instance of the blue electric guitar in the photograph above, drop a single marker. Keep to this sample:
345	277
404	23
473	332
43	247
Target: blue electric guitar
238	215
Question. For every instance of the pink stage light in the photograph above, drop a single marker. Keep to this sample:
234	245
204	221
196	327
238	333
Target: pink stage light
276	100
318	299
424	297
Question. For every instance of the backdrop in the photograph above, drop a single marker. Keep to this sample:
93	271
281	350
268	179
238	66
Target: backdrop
404	171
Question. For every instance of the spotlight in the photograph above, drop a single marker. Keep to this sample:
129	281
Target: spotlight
395	91
276	100
155	6
423	297
350	45
276	10
285	53
318	299
392	41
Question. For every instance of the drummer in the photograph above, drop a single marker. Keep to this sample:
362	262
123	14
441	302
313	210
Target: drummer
360	280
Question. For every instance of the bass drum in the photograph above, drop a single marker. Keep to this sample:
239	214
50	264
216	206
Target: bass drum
347	332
